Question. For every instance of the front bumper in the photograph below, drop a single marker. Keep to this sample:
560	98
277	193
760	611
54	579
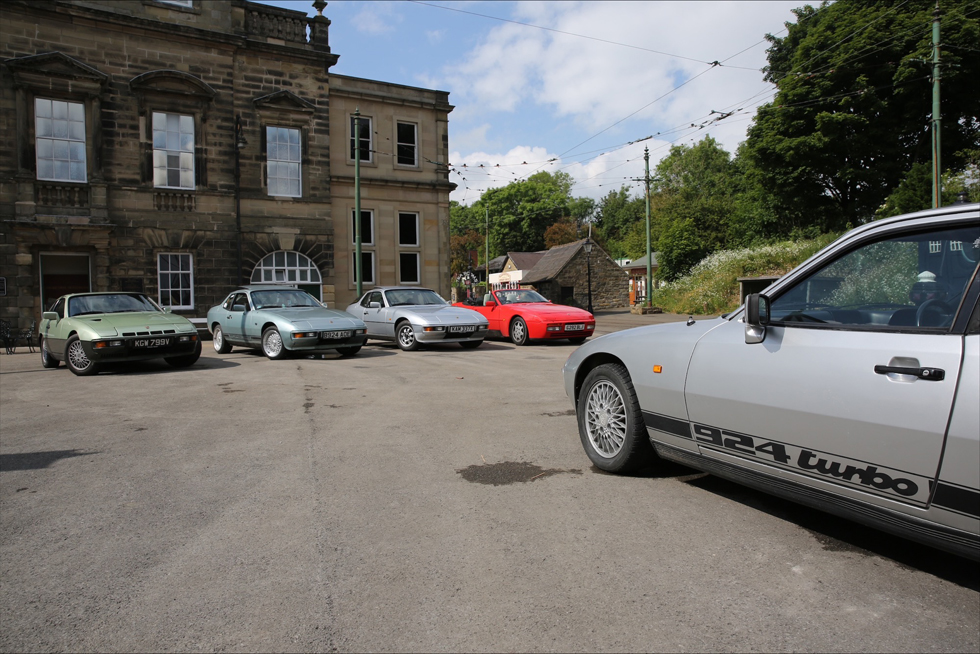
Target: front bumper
441	334
138	348
313	344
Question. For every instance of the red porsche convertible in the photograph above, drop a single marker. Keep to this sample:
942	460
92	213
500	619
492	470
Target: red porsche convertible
524	315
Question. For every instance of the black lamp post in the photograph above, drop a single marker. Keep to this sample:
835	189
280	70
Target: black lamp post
588	263
240	143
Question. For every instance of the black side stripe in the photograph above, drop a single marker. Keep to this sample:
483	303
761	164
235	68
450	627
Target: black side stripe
957	499
667	424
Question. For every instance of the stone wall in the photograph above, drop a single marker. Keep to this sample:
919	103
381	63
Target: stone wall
610	283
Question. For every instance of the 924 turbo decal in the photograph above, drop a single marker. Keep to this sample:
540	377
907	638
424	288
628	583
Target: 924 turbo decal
860	475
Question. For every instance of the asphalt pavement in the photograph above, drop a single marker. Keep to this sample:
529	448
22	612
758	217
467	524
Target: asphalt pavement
436	500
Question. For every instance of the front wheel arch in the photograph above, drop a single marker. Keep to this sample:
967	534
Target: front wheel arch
589	364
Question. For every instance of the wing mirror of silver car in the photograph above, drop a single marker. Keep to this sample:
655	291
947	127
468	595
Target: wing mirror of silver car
756	317
374	305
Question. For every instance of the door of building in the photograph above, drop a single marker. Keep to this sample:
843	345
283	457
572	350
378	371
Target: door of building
63	273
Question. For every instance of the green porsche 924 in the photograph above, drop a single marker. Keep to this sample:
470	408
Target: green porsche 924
86	330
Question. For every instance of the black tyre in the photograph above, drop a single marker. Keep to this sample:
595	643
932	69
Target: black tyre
610	422
185	360
272	345
348	351
518	332
578	340
76	359
405	335
47	361
470	345
219	342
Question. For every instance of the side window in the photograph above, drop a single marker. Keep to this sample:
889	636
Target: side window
60	140
367	227
907	282
377	297
407	152
59	307
229	303
173	150
283	161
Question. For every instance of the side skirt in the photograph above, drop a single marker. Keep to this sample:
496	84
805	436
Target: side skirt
951	540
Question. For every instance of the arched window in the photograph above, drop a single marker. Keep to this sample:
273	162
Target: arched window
291	268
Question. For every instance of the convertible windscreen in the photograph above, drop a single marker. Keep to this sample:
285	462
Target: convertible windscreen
283	299
913	281
414	297
109	303
519	297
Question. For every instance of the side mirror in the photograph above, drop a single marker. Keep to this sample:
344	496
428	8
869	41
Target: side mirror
168	309
756	317
50	315
238	307
489	303
374	305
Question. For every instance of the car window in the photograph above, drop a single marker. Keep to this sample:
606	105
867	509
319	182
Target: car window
414	297
913	281
59	307
109	303
284	299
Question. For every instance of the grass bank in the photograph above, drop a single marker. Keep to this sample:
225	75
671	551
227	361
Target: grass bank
712	285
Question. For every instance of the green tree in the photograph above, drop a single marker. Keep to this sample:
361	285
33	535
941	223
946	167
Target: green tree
562	232
851	114
521	211
616	216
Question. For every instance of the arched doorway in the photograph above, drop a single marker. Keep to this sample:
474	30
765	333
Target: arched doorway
289	268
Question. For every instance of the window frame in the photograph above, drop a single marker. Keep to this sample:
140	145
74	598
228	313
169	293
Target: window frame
160	273
285	268
370	139
192	118
67	139
415	145
298	162
353	227
418	268
353	260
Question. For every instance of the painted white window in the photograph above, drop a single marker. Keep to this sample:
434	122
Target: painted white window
408	268
179	3
283	159
367	260
60	134
367	227
286	267
935	247
408	151
173	150
366	140
175	272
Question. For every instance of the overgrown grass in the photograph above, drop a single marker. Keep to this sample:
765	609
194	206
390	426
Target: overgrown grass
712	285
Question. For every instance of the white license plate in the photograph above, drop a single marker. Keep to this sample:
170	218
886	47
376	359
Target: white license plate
574	328
151	342
462	329
335	335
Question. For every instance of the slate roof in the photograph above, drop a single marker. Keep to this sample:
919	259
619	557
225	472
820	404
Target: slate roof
496	264
642	262
526	260
552	263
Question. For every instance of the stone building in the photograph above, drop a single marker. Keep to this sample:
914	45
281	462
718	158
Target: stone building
181	147
562	275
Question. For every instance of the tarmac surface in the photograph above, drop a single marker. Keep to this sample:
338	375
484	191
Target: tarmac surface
436	500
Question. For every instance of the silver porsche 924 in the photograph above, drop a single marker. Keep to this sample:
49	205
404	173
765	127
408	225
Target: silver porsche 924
850	385
282	320
413	316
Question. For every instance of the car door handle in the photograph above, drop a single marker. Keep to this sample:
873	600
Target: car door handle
927	374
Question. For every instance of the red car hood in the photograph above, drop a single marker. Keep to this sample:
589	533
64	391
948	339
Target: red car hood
547	311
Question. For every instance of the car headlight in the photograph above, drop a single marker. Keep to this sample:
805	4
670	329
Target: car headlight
305	334
554	328
434	329
101	344
190	338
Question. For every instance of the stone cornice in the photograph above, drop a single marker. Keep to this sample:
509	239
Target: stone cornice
375	181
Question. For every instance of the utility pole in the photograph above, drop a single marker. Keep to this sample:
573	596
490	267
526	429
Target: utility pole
646	177
358	264
486	243
937	190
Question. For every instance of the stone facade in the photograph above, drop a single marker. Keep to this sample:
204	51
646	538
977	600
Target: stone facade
610	283
229	71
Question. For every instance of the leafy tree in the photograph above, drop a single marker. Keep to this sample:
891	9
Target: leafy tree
460	247
562	232
616	216
521	211
854	100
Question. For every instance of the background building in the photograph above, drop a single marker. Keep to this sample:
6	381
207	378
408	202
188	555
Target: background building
177	147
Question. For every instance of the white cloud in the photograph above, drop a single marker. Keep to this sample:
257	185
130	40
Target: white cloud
377	18
558	80
435	36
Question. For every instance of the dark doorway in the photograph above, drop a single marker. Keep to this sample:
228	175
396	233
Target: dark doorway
62	274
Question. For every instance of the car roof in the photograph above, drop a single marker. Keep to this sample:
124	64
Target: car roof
267	287
103	293
399	288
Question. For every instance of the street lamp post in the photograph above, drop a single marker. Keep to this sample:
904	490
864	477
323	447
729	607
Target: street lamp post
588	263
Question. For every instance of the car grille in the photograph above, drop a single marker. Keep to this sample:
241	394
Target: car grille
155	332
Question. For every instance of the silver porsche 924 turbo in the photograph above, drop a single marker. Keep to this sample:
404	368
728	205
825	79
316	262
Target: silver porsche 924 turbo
413	316
851	385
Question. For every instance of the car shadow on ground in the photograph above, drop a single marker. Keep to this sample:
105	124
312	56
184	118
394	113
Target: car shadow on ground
160	367
838	534
363	354
36	460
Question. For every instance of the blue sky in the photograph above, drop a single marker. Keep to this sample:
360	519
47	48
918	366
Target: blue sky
566	85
